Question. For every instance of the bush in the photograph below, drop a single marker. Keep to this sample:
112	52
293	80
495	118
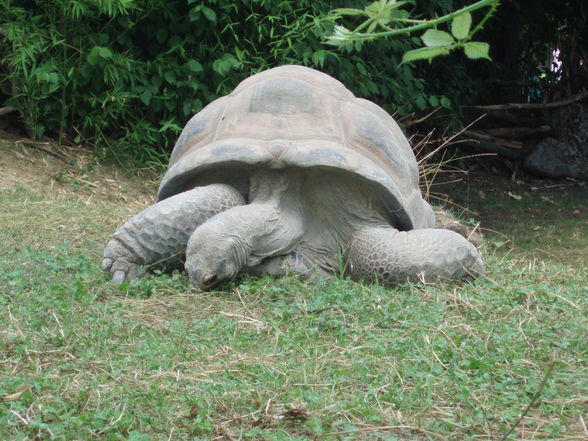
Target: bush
127	74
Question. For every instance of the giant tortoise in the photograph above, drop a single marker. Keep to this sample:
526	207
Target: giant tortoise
291	173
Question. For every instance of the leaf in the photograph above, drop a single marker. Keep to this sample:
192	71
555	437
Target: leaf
424	53
49	77
194	66
39	130
445	102
373	9
435	38
170	77
194	13
13	397
476	49
146	97
210	14
399	14
361	69
460	26
98	54
396	5
220	66
372	87
318	58
339	36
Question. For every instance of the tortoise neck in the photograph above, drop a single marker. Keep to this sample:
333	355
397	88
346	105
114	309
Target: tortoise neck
271	224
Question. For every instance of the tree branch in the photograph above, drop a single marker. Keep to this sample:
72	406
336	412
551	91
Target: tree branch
484	137
427	23
8	109
518	132
532	106
492	147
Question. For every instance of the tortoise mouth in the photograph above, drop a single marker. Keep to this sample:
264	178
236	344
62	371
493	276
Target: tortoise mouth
209	281
212	282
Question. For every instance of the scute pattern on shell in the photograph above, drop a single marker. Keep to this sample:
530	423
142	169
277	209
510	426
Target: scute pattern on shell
293	116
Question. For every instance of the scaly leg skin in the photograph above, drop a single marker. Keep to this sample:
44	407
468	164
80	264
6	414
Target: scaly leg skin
160	232
388	256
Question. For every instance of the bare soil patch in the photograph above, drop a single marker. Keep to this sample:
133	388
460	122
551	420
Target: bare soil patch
55	171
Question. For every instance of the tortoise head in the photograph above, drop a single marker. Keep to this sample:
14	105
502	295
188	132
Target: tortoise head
214	256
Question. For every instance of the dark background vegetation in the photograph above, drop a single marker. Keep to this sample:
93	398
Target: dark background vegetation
123	76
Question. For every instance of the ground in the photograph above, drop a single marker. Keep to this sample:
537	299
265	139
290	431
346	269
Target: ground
539	218
46	168
276	360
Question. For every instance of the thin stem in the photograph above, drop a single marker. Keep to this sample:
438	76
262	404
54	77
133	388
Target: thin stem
429	23
489	14
535	397
363	25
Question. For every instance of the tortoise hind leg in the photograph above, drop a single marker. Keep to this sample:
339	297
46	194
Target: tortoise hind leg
159	233
390	257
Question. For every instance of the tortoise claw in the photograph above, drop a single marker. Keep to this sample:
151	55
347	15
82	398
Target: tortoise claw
119	277
122	271
106	264
119	265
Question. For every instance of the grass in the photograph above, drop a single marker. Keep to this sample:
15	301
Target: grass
265	359
534	218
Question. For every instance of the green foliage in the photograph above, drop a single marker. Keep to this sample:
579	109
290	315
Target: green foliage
386	17
128	74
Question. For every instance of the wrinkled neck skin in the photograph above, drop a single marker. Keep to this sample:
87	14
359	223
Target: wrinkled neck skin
272	224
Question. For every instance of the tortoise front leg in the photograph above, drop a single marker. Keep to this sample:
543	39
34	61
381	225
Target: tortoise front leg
389	256
159	233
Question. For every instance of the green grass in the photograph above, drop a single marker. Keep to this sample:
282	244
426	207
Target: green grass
264	359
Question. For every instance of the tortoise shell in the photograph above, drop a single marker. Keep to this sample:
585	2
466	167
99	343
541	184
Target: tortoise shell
294	116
